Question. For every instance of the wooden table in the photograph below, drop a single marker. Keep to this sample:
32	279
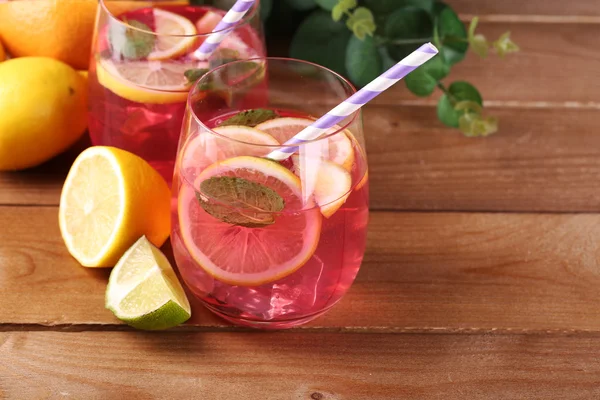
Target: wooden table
481	278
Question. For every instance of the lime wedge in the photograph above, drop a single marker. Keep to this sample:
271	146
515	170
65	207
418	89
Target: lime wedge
143	290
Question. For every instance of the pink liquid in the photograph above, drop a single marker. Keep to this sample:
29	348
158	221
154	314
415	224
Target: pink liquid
148	130
304	294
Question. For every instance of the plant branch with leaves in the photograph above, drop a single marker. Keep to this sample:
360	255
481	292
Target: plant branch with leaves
363	38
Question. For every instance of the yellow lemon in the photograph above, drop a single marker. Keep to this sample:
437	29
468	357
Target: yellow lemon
109	200
43	110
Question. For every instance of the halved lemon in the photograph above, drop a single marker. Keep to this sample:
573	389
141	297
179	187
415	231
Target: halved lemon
153	82
175	35
206	148
109	200
247	256
340	144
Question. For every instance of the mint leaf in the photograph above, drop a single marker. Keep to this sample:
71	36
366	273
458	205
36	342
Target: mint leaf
131	43
239	201
192	75
250	117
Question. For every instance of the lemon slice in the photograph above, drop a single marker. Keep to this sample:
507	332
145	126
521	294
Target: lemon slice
248	256
110	198
175	35
339	145
207	148
332	188
153	82
143	290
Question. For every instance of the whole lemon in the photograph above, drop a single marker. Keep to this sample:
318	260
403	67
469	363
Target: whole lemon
2	53
43	110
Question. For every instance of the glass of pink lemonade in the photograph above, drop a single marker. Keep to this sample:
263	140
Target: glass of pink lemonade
144	62
264	243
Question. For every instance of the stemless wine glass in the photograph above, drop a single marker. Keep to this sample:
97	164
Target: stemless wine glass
144	61
264	243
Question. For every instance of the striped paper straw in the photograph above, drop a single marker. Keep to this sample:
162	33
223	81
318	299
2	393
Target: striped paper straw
233	16
357	100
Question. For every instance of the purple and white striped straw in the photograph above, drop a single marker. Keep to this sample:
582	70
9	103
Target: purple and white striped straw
233	16
357	100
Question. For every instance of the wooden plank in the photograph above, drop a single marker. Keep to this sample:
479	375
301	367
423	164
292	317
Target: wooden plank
422	272
530	7
555	67
40	185
291	365
541	160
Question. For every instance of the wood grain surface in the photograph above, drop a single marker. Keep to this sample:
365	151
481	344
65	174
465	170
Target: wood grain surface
296	366
541	160
527	7
480	279
422	272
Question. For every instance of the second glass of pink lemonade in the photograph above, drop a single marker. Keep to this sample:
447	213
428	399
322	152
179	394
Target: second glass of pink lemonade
264	243
145	60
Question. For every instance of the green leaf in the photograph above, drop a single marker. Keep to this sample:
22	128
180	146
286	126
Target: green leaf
473	125
321	40
302	5
504	45
363	61
239	201
131	43
250	117
420	83
265	9
478	42
457	92
424	79
337	13
468	106
387	61
362	23
326	4
192	75
479	45
386	7
406	26
452	33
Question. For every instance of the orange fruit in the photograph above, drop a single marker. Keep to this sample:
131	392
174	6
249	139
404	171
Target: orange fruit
2	53
60	29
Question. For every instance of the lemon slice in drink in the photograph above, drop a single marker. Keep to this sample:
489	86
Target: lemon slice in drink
207	148
110	198
249	256
340	145
143	290
152	82
174	35
332	188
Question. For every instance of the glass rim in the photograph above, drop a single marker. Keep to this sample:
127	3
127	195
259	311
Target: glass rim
244	21
340	128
